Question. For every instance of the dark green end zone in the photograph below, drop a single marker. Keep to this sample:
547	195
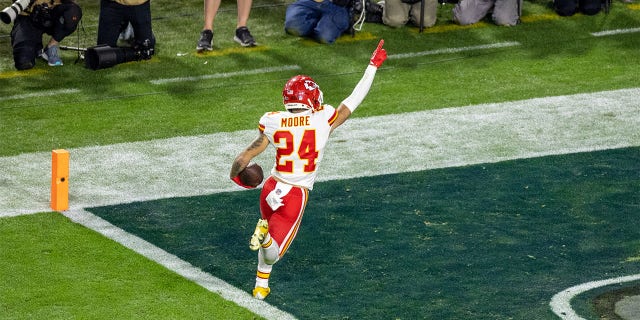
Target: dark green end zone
490	241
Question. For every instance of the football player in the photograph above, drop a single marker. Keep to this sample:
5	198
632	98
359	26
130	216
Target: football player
299	136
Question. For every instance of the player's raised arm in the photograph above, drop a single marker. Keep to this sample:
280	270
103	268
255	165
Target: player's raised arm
350	104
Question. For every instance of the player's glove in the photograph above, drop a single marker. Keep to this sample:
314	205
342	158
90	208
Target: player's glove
236	179
379	55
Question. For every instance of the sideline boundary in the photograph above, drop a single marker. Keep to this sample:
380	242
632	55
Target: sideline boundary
227	74
451	137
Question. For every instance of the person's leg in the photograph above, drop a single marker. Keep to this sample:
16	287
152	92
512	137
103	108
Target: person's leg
590	7
65	19
244	9
301	17
507	12
276	229
51	53
468	12
26	42
243	36
430	13
109	22
565	7
395	13
140	18
206	34
261	289
210	10
333	23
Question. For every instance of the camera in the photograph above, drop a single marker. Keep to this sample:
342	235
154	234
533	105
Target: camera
104	56
372	12
41	15
11	12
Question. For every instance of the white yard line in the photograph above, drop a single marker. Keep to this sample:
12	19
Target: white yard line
614	32
454	50
39	94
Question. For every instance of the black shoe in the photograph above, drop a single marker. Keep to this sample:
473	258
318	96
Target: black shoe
244	38
206	41
25	65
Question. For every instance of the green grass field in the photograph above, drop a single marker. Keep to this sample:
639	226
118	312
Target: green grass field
55	269
466	242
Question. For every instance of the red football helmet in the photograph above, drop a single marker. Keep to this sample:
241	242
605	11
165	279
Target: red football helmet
302	92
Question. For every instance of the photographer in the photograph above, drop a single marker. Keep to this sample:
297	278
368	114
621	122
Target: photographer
397	13
57	18
322	20
116	15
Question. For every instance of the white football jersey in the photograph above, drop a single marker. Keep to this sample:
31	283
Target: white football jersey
299	139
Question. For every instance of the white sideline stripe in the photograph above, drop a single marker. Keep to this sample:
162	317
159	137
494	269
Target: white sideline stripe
614	32
176	265
561	302
198	165
226	74
453	50
38	94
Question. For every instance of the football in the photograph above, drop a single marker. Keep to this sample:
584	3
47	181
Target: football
252	175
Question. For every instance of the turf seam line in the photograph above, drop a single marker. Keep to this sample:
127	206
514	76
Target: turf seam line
226	74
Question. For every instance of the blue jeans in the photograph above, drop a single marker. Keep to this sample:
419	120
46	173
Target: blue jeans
323	21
